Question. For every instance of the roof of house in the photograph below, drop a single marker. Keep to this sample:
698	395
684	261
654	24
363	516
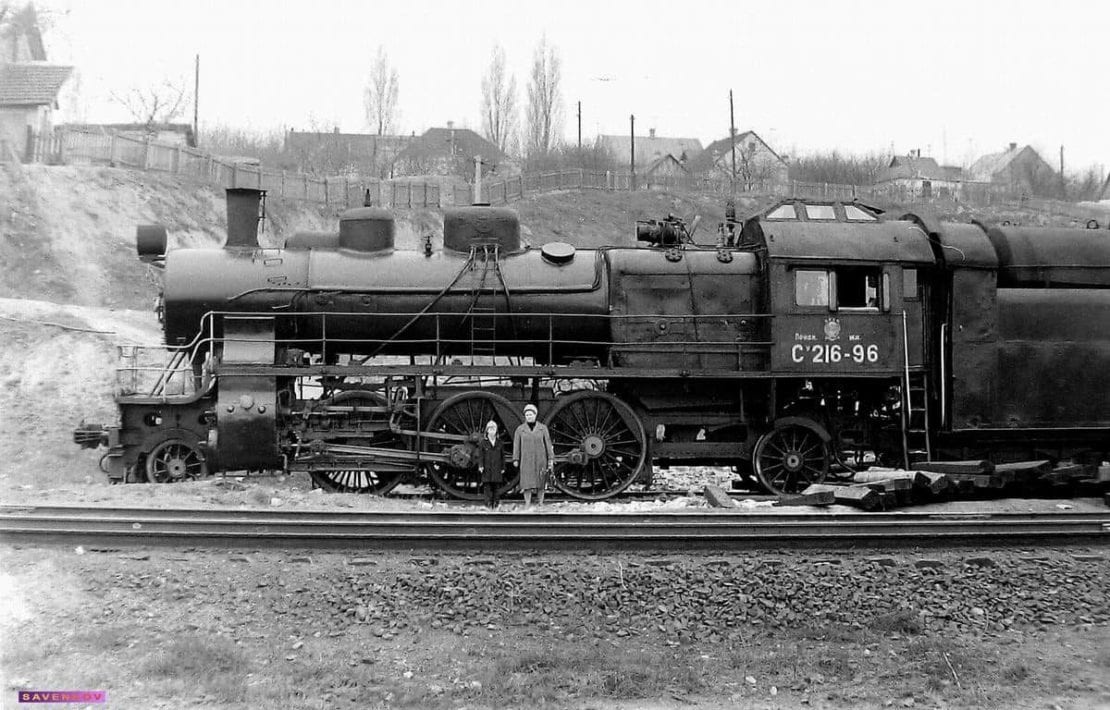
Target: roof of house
448	142
668	158
720	147
911	167
31	83
989	165
650	148
356	142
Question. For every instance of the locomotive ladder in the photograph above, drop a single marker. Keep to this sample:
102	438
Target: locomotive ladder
483	331
483	319
915	407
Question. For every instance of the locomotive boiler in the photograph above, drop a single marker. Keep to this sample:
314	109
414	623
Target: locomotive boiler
807	335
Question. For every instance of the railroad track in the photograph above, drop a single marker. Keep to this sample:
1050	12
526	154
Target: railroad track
370	531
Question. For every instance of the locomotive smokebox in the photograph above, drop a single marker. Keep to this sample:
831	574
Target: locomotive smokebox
244	211
366	229
468	227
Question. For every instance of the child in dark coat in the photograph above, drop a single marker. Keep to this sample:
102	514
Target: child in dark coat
491	464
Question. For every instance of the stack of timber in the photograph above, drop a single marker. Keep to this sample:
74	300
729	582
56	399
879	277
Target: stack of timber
946	480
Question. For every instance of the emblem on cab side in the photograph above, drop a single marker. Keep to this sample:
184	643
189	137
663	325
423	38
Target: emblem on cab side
832	329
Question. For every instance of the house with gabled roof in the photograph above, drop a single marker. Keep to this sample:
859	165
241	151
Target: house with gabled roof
666	166
649	149
28	100
29	86
1016	170
922	176
451	151
338	153
758	166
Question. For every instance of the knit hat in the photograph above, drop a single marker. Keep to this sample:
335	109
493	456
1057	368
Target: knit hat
531	407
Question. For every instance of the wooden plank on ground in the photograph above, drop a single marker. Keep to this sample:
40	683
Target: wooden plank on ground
718	498
888	485
976	480
858	496
814	494
1023	472
934	482
968	468
916	478
1065	474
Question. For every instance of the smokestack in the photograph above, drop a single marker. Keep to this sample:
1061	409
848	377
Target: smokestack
244	211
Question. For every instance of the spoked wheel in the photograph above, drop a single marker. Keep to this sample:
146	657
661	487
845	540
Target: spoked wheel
358	428
601	441
466	415
355	481
175	460
790	457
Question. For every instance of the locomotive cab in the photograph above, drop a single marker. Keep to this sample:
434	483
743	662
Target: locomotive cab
846	290
849	295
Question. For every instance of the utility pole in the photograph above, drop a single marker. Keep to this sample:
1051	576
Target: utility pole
579	126
477	180
1063	182
196	98
732	142
632	152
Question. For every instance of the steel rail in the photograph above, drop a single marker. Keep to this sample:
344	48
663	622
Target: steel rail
541	530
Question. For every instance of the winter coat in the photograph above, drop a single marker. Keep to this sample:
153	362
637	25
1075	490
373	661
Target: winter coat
491	460
533	452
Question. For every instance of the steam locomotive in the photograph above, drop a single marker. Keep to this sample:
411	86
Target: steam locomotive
815	333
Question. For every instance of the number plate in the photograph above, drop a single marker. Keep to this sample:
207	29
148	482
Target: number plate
834	354
836	344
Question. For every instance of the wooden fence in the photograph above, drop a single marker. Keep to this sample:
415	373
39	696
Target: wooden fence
68	146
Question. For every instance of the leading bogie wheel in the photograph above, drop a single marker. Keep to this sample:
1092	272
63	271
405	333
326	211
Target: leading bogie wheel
790	457
601	443
175	460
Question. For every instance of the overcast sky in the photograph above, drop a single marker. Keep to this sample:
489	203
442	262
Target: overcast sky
954	78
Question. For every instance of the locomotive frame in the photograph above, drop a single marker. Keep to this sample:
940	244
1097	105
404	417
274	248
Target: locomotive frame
811	333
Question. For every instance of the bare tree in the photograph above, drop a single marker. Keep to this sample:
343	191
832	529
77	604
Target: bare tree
380	97
754	168
545	105
499	103
156	104
18	23
844	169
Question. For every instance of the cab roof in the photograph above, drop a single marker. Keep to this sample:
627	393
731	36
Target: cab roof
840	240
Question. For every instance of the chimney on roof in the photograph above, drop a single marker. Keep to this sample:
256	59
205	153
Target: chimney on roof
1013	146
651	133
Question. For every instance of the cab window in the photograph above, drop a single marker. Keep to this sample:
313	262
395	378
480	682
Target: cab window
820	212
811	288
783	212
909	283
855	213
858	287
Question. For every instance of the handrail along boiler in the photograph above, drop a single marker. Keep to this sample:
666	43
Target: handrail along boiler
807	334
